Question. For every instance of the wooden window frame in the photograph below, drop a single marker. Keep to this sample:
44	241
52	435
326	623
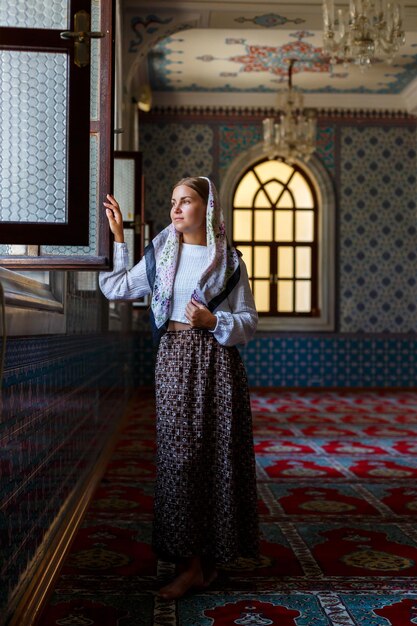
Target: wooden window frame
102	259
327	253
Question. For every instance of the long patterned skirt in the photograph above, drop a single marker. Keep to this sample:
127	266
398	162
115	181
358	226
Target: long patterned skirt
205	493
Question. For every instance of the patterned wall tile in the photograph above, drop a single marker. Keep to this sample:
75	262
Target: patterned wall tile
303	360
326	146
235	139
61	398
238	137
378	192
172	151
331	361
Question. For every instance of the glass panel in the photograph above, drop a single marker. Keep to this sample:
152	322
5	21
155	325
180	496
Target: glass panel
33	137
39	275
261	201
246	191
284	229
286	201
261	295
273	169
301	191
147	235
247	257
285	262
304	226
12	249
242	225
129	235
124	187
34	13
274	190
285	296
86	281
263	225
95	62
92	247
262	265
303	262
302	296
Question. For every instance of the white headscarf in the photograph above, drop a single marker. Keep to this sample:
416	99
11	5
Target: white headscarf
217	279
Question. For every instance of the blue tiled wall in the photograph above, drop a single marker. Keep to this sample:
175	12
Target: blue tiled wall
331	361
312	360
62	397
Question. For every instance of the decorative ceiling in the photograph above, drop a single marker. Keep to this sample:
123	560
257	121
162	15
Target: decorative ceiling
233	54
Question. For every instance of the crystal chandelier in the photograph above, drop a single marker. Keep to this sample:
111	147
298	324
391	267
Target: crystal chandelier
366	31
293	134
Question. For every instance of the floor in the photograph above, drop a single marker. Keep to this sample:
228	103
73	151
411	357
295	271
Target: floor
337	501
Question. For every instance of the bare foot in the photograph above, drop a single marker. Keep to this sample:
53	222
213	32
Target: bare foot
210	575
181	584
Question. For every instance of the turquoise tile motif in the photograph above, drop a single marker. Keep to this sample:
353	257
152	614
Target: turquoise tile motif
378	194
235	139
172	151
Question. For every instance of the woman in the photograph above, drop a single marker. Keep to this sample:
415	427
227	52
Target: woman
202	307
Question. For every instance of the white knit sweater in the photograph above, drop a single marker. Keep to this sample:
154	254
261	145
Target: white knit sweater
236	315
192	262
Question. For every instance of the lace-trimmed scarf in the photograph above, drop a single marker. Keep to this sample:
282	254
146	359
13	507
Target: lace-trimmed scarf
217	280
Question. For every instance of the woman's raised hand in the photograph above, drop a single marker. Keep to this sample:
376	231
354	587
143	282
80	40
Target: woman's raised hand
115	218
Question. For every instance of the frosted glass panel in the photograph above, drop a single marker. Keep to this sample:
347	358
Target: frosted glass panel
33	137
124	187
285	262
304	226
246	190
285	296
261	295
263	225
261	201
303	262
286	201
86	281
34	13
302	296
93	204
95	82
273	170
247	257
242	225
284	229
262	264
43	277
274	190
301	191
129	237
13	249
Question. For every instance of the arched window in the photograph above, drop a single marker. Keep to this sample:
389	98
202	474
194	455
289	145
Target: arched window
275	218
281	216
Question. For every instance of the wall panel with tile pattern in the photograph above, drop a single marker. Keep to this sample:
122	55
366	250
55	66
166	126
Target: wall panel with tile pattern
62	398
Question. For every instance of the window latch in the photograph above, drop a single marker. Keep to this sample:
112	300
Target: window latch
81	36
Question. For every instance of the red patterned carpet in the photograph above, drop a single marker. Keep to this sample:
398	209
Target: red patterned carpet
338	504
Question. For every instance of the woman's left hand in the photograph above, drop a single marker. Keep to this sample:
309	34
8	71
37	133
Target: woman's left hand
199	316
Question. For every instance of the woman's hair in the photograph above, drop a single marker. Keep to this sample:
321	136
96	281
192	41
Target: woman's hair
200	185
